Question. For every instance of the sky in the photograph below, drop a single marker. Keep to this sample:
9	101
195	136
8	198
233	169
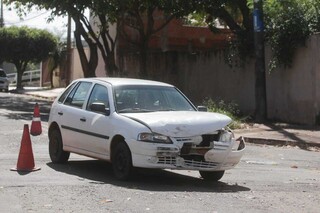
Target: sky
36	19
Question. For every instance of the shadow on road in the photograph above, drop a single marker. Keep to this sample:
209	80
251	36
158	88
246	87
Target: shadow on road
294	138
100	172
22	108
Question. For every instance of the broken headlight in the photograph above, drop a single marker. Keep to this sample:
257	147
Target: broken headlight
153	138
226	136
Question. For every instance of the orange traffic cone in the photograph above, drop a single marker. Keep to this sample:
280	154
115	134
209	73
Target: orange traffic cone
25	159
36	122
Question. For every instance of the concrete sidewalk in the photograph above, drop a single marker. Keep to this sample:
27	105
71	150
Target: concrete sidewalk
269	133
280	134
40	92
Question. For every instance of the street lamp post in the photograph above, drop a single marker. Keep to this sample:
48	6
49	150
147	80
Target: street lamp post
260	73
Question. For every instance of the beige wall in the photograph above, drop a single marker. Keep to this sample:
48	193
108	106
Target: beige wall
199	76
293	94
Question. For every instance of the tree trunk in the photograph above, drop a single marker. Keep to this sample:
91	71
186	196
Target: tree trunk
143	73
111	67
88	66
20	66
51	79
19	78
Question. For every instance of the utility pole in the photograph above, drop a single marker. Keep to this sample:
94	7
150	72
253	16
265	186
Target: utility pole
260	73
69	54
1	25
1	15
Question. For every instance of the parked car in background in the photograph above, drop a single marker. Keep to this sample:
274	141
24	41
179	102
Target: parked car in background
140	123
4	81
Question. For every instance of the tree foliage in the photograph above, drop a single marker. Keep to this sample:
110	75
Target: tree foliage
237	16
22	45
289	23
96	35
140	16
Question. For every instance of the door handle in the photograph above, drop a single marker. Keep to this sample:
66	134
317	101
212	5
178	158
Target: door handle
60	113
83	119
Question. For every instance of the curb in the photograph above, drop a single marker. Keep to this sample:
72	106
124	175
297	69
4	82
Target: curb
277	142
51	99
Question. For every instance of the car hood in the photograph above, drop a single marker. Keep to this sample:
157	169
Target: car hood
181	123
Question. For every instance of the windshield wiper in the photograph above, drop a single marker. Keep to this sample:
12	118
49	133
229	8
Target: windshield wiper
134	110
168	109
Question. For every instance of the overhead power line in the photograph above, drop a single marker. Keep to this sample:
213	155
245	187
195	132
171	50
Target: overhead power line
27	19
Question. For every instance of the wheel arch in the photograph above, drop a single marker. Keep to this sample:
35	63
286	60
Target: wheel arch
53	126
115	140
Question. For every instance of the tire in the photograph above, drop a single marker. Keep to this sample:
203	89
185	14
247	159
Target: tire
122	161
57	155
211	176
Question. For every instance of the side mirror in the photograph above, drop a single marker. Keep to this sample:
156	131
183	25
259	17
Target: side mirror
202	109
100	108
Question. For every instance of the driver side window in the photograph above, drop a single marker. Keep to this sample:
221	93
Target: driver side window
99	95
78	95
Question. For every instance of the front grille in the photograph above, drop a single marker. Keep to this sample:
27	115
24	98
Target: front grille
191	164
200	164
167	160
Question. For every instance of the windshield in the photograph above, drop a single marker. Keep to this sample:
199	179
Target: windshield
150	99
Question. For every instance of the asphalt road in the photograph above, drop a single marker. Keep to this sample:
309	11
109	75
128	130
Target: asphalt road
268	179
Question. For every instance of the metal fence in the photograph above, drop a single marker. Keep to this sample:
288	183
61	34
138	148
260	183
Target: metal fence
29	77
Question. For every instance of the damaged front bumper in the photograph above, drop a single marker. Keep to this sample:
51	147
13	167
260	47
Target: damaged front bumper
220	156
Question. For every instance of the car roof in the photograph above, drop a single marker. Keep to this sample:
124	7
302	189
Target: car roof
126	81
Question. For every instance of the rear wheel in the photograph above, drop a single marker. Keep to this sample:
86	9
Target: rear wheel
56	152
211	176
122	161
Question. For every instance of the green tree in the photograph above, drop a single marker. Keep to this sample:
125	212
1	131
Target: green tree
237	16
108	12
57	59
97	39
289	24
22	45
76	9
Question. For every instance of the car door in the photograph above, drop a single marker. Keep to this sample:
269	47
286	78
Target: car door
72	118
98	125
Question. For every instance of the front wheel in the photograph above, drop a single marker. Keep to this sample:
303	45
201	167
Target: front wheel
56	152
122	161
211	176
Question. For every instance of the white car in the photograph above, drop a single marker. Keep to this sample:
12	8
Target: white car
4	82
140	123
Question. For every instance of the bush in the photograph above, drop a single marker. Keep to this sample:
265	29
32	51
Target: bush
229	109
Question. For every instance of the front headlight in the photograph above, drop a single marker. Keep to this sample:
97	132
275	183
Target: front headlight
226	136
153	138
